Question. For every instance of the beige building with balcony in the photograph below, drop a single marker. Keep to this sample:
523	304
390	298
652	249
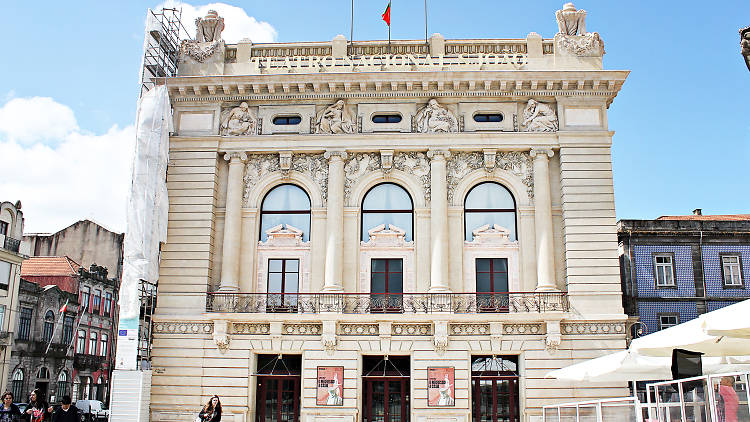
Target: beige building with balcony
11	232
365	232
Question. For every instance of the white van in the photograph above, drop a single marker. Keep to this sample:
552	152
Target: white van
92	411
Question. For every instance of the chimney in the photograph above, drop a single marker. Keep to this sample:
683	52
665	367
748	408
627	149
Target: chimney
697	211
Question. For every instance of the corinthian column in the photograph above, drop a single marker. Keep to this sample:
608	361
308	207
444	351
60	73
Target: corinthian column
438	221
230	253
545	254
334	269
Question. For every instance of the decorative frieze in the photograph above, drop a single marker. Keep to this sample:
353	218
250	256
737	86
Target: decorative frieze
469	329
183	327
258	166
302	329
593	327
462	163
416	164
252	328
358	329
411	329
522	329
357	166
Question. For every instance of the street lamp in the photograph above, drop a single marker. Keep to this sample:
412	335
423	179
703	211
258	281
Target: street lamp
745	44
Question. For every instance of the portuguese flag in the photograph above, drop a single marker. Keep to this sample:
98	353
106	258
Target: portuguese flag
387	14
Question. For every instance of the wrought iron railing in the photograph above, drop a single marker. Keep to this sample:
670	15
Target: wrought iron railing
11	244
365	303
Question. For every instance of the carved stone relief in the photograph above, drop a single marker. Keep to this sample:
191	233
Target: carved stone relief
314	166
238	121
522	329
469	329
356	167
593	328
572	36
358	329
183	327
207	37
335	119
411	329
434	118
302	329
418	165
539	117
251	328
462	163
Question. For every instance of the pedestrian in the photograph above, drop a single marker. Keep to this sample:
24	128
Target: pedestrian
37	409
66	412
9	412
211	411
729	397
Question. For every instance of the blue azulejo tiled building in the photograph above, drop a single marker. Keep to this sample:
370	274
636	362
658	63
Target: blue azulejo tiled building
675	268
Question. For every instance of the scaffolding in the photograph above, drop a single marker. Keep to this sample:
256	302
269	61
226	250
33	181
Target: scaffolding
161	46
147	296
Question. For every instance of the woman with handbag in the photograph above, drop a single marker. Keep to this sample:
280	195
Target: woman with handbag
211	412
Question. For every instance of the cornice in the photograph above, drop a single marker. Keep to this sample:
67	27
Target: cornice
385	85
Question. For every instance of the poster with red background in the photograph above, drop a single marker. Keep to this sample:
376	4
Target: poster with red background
441	389
330	386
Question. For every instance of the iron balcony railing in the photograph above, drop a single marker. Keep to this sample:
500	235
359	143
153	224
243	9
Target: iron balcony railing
11	244
365	303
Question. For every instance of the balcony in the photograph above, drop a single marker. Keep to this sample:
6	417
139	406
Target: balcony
56	350
10	243
92	362
391	303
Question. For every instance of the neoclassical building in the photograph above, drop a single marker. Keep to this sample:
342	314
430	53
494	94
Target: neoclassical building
361	231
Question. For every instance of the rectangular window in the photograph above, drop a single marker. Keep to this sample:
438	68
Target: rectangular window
386	285
731	269
283	284
85	294
103	345
97	301
67	329
108	304
668	320
492	277
3	228
24	324
93	342
4	275
2	316
81	342
664	270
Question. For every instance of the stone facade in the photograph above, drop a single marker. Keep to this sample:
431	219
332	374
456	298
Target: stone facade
676	268
11	256
337	125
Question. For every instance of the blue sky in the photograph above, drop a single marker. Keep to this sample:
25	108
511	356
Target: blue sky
682	133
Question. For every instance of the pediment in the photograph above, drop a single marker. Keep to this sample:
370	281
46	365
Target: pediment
283	235
491	234
387	235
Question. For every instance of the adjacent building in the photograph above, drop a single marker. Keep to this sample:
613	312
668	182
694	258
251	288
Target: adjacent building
11	231
675	268
67	316
374	231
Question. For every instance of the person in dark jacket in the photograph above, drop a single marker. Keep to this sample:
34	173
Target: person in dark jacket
211	411
37	409
9	412
66	412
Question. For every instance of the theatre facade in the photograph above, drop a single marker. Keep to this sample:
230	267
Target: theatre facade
365	231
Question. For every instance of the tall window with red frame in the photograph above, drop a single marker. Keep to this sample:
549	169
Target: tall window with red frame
492	277
283	284
96	302
85	295
386	285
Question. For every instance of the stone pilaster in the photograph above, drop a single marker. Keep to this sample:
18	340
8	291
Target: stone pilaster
230	258
438	221
334	269
545	254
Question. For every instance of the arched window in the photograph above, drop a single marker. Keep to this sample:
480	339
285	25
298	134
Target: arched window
100	387
49	326
288	205
62	384
42	373
17	385
387	203
489	203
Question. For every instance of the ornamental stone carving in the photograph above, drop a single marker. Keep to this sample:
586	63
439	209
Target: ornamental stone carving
552	339
572	37
238	121
469	329
209	28
251	328
335	119
359	329
434	118
221	335
283	236
328	337
302	329
391	236
539	117
462	163
183	327
314	166
745	45
440	338
491	234
522	329
411	329
604	328
360	164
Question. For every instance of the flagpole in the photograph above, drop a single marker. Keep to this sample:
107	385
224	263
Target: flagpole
425	21
351	26
54	329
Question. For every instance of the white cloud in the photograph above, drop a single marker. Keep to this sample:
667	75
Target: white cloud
238	24
80	176
28	120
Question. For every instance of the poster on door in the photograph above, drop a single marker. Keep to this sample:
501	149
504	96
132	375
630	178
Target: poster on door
330	386
441	390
